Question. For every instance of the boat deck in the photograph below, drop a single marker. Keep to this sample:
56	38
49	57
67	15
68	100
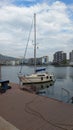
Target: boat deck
28	111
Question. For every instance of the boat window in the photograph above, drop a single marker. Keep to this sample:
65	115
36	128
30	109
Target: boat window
41	78
50	77
47	77
40	75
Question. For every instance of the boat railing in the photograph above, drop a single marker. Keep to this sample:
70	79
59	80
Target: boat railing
63	91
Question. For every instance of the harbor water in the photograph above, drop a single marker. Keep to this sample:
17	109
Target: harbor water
61	89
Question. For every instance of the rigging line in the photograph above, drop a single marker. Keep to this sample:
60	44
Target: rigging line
26	46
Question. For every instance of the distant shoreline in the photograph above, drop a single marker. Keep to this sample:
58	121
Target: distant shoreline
43	65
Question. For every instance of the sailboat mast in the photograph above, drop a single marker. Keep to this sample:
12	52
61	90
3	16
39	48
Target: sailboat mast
34	42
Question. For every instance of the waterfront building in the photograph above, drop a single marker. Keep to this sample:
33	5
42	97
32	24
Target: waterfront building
71	56
39	60
45	60
60	57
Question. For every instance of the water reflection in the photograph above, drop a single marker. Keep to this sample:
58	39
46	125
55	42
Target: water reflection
61	73
54	90
71	73
41	88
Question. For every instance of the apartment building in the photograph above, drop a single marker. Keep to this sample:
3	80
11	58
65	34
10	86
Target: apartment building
71	56
59	57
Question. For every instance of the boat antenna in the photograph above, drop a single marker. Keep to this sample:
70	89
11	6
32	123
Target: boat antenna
26	46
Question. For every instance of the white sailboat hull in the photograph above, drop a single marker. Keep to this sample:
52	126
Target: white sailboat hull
36	78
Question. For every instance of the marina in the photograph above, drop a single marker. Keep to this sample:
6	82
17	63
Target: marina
35	104
36	65
56	90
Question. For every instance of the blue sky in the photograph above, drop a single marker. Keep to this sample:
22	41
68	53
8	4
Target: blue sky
67	1
54	20
32	2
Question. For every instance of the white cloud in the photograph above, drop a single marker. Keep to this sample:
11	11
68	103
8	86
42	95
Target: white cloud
5	2
54	28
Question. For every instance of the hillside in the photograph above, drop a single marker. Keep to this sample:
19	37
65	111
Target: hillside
6	58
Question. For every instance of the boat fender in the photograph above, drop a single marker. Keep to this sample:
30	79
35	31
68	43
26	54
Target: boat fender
41	78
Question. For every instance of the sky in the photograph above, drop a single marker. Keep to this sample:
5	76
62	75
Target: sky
54	27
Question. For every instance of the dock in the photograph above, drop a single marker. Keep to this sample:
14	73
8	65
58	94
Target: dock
28	111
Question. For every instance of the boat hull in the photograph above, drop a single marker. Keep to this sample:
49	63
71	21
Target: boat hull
35	79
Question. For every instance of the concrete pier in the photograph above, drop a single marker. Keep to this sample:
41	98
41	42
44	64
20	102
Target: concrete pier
5	125
27	111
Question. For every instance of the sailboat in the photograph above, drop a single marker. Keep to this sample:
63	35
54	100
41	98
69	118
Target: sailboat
37	76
